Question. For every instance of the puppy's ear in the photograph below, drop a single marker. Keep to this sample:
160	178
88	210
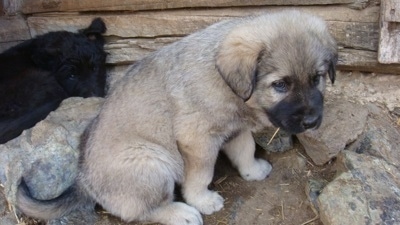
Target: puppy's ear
332	68
94	31
237	61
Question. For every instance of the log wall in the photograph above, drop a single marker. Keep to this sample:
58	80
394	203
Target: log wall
138	27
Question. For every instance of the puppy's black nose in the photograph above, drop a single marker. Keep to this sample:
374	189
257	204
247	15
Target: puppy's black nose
310	122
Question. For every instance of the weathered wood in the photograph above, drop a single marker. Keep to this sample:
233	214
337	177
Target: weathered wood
11	7
36	6
391	10
13	28
366	61
389	41
359	35
356	35
125	26
127	51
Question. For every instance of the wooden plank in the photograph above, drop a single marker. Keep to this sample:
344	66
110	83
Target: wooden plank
37	6
356	35
359	35
130	50
13	28
182	22
11	7
389	43
391	10
127	51
366	61
389	40
125	26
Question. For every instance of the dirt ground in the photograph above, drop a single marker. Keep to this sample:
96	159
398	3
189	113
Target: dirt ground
278	200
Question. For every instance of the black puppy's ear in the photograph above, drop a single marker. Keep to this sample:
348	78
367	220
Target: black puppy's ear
332	68
94	31
237	59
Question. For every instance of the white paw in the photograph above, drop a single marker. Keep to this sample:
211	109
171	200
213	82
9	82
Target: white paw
180	214
207	202
259	170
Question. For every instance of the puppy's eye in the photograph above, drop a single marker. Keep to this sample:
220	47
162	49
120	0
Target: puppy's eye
72	77
280	86
316	79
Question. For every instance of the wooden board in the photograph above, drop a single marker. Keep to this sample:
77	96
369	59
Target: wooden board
10	7
127	51
13	28
391	10
359	60
357	35
352	34
389	41
36	6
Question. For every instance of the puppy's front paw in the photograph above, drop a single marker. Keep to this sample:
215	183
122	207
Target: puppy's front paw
259	170
207	202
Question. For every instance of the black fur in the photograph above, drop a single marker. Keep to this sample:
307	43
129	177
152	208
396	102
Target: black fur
294	115
36	75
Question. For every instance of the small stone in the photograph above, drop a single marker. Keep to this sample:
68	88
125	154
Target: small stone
280	143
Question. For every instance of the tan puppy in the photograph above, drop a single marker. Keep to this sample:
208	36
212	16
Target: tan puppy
168	118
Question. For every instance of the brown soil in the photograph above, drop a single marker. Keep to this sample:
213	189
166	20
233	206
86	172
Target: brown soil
278	200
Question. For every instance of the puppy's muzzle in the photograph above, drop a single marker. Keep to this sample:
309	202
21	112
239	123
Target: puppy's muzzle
311	121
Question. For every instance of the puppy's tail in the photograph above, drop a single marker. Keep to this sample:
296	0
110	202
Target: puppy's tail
55	208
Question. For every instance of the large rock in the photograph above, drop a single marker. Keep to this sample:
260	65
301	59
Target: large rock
46	156
366	193
343	122
380	137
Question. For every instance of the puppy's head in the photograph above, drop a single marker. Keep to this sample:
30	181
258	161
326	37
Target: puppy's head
279	63
76	60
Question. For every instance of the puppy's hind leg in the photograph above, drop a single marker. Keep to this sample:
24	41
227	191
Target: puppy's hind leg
140	185
176	213
169	212
240	151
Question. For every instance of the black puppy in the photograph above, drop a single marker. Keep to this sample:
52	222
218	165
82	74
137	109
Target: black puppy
36	75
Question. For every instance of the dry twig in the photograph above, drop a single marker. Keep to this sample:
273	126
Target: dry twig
272	138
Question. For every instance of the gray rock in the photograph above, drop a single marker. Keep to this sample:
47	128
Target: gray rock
8	220
367	192
46	156
6	217
380	138
280	143
342	124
